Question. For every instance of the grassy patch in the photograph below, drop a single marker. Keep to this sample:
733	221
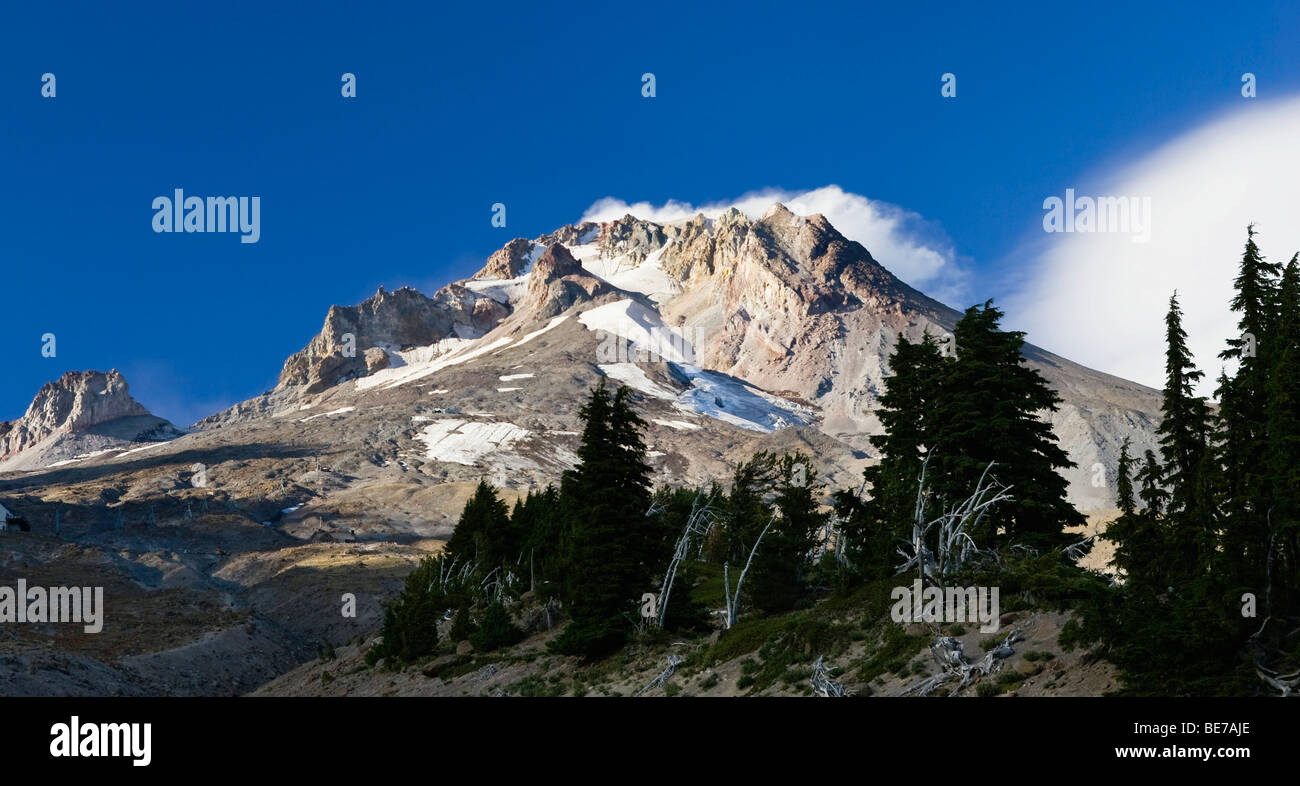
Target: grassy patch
896	650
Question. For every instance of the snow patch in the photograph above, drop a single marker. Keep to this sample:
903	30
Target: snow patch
680	425
530	336
339	411
641	327
634	376
465	442
431	363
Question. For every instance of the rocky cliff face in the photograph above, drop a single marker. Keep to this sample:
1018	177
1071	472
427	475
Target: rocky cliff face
82	410
385	323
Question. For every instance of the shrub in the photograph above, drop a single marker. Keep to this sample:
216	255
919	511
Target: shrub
495	630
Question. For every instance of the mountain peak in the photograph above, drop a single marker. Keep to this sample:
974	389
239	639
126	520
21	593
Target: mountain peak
79	412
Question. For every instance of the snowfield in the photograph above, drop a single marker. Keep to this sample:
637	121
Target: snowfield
641	327
390	378
467	441
648	278
634	376
711	393
339	411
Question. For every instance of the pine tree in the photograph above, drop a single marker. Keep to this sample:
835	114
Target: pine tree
1184	440
1282	446
410	626
1123	480
775	583
612	546
990	410
906	410
746	511
495	629
483	533
538	521
1243	415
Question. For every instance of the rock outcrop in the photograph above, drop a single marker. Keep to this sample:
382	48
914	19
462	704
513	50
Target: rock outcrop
79	413
388	321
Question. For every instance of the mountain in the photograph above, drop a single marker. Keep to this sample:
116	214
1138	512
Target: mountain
759	324
79	415
233	542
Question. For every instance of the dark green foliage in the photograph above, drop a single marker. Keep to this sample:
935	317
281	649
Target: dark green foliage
775	580
1218	513
410	628
461	625
989	411
484	533
746	511
612	548
908	410
539	517
495	629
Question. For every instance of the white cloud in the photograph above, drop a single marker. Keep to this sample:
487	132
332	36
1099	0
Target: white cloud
1100	299
909	246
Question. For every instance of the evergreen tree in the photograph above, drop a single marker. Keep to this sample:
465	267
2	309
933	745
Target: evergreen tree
990	410
775	583
410	626
1123	480
1243	414
1151	480
906	410
539	518
495	629
612	546
483	533
746	511
1184	440
1282	448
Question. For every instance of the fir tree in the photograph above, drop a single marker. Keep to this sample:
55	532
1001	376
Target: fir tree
906	410
1243	414
990	410
495	629
1184	440
483	533
775	583
612	546
1282	447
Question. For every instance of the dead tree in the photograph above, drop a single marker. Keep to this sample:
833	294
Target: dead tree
733	601
1284	684
822	683
1076	551
954	546
954	665
673	661
698	525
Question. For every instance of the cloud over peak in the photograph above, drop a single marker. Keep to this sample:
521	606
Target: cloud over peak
911	247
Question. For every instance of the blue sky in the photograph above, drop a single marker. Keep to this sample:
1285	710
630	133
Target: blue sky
540	109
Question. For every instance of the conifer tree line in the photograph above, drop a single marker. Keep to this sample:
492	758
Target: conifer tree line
1211	516
603	539
1208	537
